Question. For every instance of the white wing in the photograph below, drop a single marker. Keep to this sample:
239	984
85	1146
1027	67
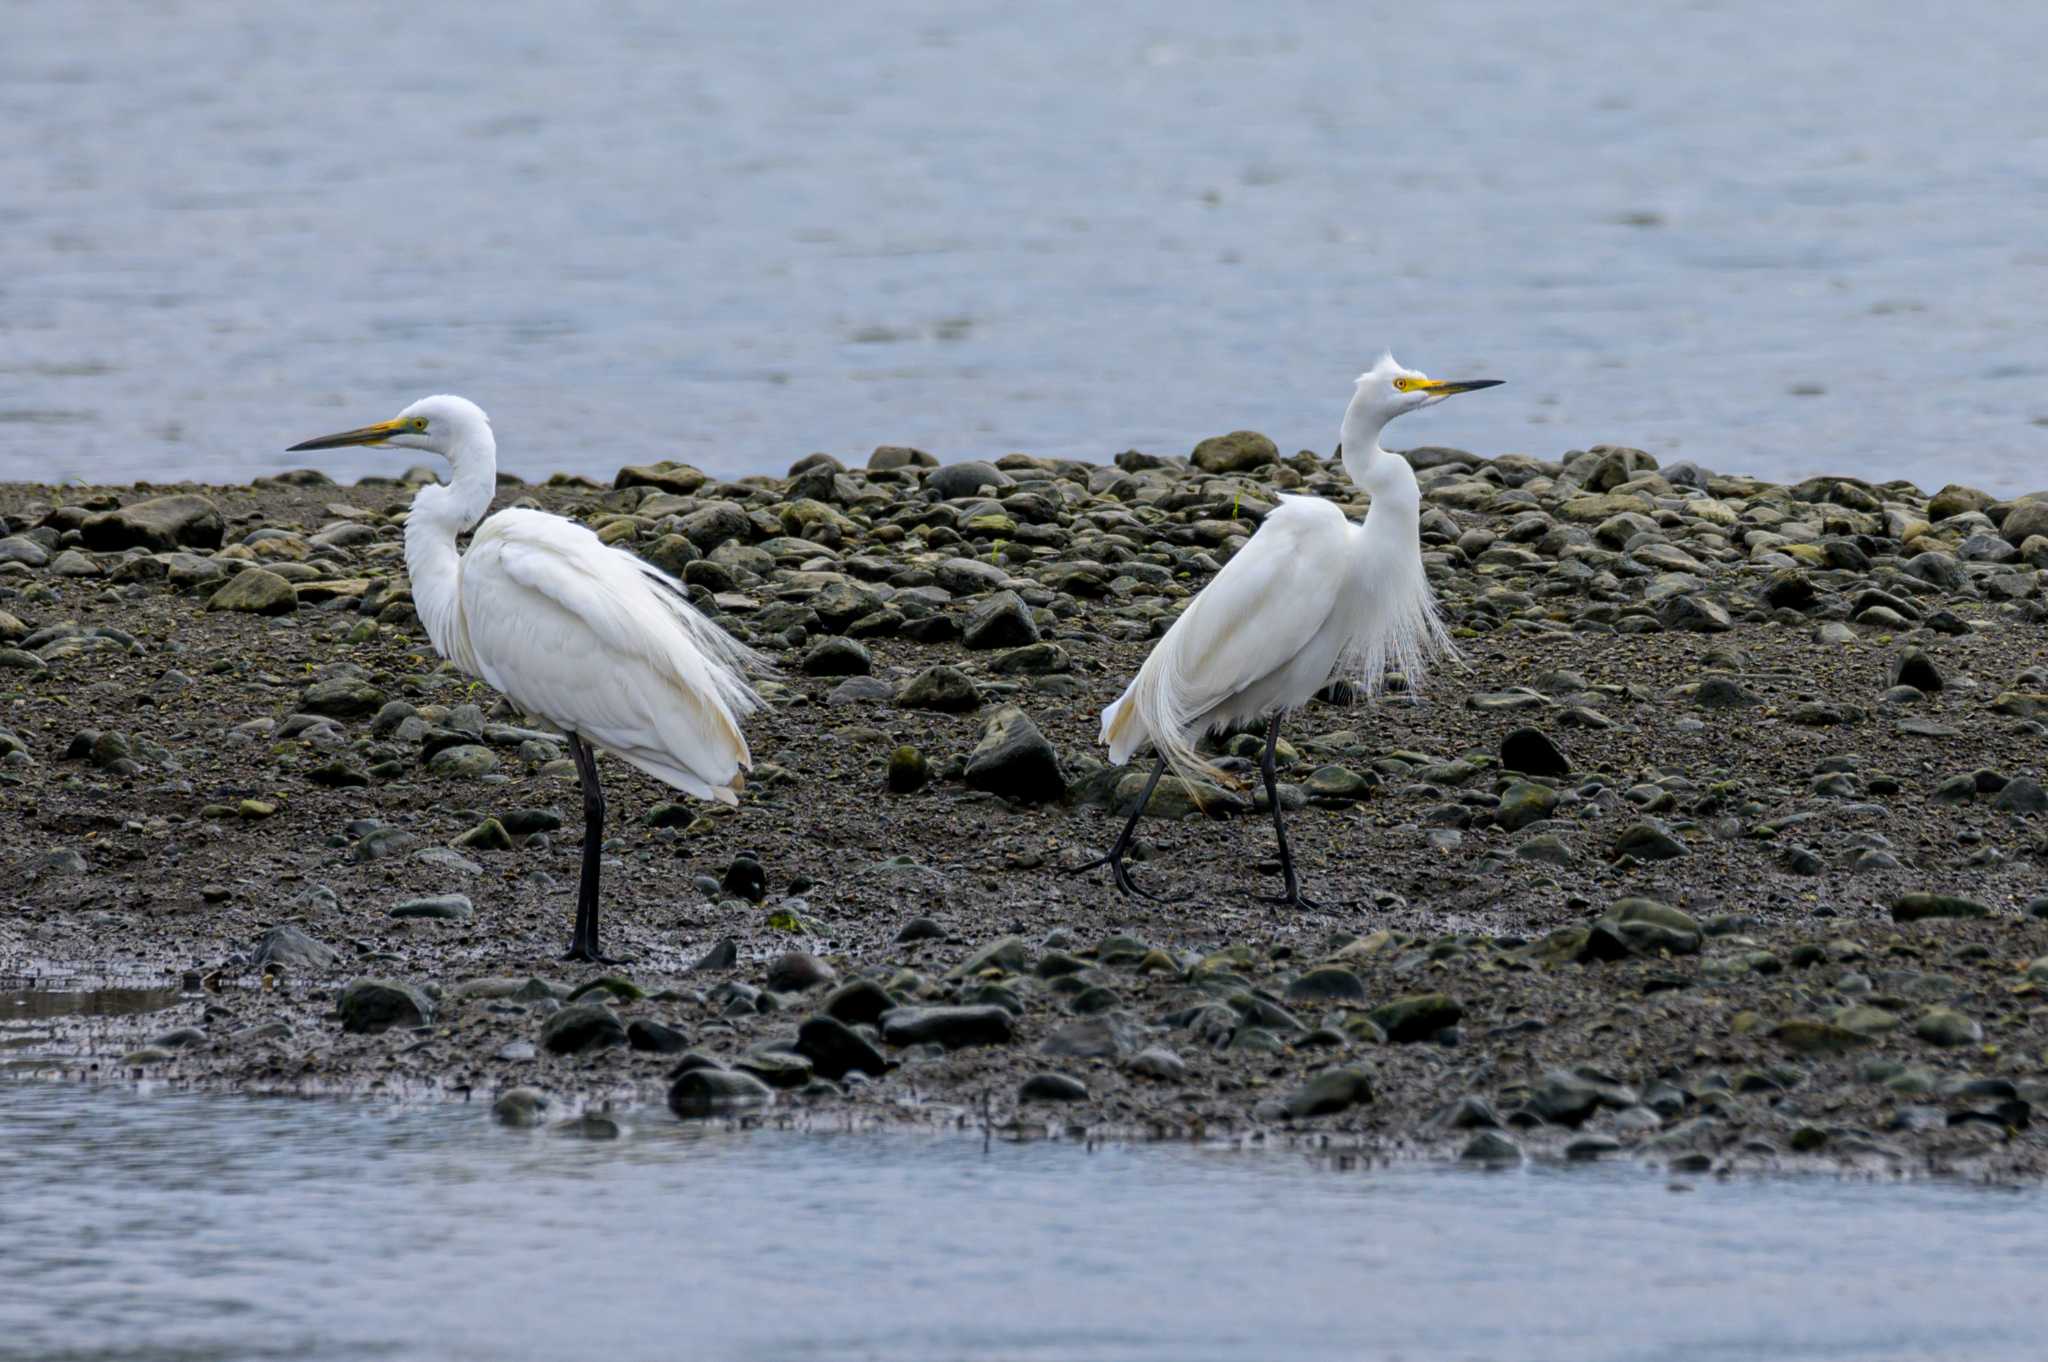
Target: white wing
607	647
1268	605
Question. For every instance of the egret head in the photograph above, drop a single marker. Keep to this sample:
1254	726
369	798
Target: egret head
1388	389
440	425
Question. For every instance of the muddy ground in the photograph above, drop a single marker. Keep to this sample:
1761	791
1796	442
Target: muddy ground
1780	909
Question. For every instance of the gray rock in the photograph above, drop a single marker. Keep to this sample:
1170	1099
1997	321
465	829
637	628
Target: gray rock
1014	759
1568	1096
1160	1063
1695	614
1492	1148
1327	984
256	591
1001	621
953	1027
908	770
1416	1017
1328	1093
581	1027
521	1108
1920	907
947	689
1524	802
967	477
290	946
368	1006
1722	692
341	697
1238	452
837	656
21	549
440	907
836	1049
1916	669
712	1092
1532	752
2022	795
1052	1088
859	1002
796	971
655	1037
462	761
186	520
1944	1026
1649	840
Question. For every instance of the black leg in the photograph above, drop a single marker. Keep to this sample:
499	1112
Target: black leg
1269	767
583	944
1115	859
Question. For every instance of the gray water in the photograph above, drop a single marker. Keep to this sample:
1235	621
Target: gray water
1773	238
160	1226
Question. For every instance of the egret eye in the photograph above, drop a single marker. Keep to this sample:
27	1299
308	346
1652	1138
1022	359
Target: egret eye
1402	384
419	423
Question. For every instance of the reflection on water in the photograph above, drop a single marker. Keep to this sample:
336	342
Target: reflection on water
146	1225
1772	238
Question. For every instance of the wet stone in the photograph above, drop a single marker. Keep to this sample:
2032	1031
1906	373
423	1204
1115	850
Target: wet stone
1014	759
797	971
1329	1092
1327	983
836	1049
654	1037
1921	907
521	1108
952	1027
368	1006
1416	1017
289	945
580	1028
703	1092
440	907
1051	1087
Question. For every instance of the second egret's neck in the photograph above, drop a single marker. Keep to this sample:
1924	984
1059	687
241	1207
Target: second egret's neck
1387	478
439	514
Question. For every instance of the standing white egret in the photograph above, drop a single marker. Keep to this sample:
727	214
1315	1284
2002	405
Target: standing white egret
1312	596
604	646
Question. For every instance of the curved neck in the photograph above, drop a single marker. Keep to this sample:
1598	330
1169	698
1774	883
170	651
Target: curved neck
1385	477
439	514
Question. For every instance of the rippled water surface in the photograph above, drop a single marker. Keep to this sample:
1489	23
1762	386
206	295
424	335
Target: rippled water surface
162	1226
1771	238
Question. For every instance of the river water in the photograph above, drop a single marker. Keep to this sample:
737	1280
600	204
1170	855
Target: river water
1772	238
157	1227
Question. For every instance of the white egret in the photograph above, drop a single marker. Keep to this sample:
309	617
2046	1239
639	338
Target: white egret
1311	597
601	644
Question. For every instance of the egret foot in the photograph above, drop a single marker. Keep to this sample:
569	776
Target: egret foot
1118	872
589	956
1115	859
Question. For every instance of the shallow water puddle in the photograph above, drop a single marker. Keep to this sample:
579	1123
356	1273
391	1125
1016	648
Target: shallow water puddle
42	1003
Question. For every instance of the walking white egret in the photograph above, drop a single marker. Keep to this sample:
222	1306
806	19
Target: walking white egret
1311	597
601	644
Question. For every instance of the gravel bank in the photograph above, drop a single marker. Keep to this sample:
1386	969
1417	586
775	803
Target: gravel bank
1725	848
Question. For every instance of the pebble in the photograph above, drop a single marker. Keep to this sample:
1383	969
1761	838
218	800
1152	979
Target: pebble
581	1027
368	1006
703	1092
440	908
952	1027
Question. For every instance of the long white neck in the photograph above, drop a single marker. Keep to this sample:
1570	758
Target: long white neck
439	514
1387	478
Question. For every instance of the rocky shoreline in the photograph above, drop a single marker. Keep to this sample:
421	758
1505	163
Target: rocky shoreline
1723	849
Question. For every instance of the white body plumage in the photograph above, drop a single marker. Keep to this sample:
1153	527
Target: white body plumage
1313	596
592	639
